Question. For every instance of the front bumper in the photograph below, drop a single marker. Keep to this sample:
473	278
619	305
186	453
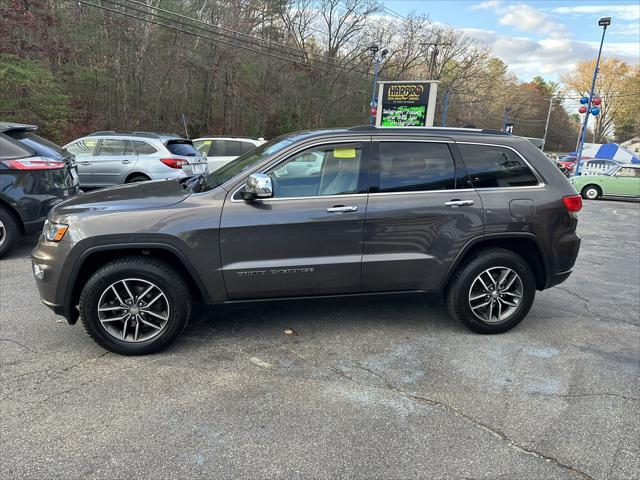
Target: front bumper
50	259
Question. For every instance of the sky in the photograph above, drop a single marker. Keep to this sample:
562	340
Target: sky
538	37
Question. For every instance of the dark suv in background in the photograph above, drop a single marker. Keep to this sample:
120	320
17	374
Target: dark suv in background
482	216
35	174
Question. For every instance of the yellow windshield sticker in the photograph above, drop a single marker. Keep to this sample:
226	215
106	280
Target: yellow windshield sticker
344	152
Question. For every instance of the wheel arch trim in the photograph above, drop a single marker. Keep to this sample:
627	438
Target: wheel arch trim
73	277
495	236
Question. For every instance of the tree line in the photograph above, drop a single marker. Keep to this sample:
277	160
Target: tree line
249	67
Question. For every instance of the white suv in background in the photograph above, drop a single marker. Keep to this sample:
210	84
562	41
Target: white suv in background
221	150
112	158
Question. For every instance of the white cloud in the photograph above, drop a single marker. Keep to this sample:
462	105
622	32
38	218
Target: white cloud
618	12
526	18
487	5
550	57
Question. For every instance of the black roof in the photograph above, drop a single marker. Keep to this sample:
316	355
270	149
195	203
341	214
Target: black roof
8	126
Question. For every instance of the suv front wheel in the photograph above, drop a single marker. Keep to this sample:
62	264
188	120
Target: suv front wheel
492	291
135	305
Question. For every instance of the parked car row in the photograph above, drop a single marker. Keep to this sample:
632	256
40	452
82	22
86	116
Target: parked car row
35	173
588	166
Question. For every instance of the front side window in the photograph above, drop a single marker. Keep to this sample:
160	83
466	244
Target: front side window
203	146
495	167
247	146
628	172
415	167
226	148
110	146
326	170
83	147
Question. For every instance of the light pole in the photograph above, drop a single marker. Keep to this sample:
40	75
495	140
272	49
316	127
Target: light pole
604	23
546	125
376	68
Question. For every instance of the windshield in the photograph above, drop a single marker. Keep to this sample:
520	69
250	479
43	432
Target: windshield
244	162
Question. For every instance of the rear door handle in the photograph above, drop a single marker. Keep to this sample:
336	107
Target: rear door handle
458	203
86	164
342	209
126	161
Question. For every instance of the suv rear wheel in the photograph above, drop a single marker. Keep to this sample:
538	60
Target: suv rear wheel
9	232
492	291
135	306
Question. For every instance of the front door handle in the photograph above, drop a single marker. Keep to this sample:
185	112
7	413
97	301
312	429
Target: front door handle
342	209
458	203
86	164
126	161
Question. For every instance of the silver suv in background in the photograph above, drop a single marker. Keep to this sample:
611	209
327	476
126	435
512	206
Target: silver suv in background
221	150
112	158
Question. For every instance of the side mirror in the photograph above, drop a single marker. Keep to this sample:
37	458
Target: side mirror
258	186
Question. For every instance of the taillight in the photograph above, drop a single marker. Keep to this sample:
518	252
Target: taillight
174	162
573	203
38	163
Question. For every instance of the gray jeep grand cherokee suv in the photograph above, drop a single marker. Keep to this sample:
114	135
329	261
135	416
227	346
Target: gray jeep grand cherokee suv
482	216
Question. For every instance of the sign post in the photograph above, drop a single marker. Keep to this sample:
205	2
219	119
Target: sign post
406	103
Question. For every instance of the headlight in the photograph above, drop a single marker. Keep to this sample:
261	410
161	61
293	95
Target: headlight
54	231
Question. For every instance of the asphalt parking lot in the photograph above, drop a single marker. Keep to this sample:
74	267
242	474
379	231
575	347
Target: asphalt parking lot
367	388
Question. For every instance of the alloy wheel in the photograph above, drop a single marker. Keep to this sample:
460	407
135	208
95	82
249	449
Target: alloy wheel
3	233
592	193
495	294
133	310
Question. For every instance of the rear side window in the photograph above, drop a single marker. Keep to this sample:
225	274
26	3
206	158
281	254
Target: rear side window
10	150
110	146
39	145
83	147
493	167
143	148
416	166
226	148
184	148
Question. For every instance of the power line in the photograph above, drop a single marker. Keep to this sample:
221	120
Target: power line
225	42
251	39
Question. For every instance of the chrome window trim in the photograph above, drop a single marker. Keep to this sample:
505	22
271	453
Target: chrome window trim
541	183
420	192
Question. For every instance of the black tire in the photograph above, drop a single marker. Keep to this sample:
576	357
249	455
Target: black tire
9	232
587	194
169	281
458	291
137	178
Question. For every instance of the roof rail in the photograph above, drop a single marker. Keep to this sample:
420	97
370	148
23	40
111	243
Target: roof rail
135	134
372	128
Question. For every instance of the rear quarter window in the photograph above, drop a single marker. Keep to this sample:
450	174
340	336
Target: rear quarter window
496	167
10	150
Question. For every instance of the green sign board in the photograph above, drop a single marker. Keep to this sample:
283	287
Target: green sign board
406	103
404	116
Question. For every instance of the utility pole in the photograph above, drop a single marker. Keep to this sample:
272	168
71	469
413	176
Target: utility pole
434	56
604	23
446	107
546	125
376	68
507	110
